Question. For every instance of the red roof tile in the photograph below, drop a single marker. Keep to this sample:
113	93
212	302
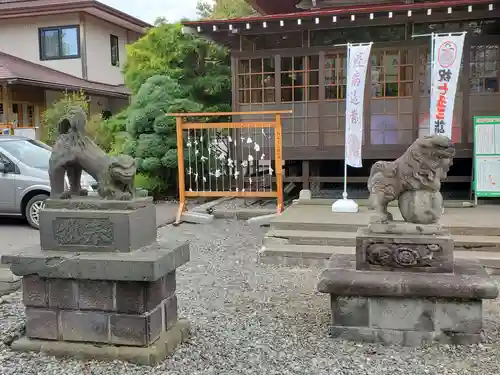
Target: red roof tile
17	70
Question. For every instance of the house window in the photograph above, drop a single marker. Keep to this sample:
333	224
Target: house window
59	42
115	52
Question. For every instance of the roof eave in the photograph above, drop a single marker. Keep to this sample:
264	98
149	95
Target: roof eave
341	11
57	86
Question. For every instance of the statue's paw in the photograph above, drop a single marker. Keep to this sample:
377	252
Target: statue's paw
126	197
390	217
83	193
381	218
65	195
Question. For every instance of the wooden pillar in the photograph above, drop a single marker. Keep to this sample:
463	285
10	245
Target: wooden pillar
180	167
6	103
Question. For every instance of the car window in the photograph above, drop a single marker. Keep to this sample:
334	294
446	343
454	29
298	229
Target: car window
4	159
29	152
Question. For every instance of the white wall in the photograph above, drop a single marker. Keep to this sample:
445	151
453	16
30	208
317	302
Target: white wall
19	37
97	36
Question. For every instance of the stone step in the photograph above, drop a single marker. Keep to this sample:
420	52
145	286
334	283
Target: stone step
310	255
323	238
316	226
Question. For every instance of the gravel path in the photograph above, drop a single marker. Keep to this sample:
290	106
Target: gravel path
258	319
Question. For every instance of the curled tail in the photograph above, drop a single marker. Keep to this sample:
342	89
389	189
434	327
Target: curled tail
74	120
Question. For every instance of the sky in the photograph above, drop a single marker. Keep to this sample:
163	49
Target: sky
149	10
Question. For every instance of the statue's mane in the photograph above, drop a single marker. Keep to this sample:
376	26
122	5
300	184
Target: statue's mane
423	162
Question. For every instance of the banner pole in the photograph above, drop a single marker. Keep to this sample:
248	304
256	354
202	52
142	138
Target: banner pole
344	194
433	41
356	120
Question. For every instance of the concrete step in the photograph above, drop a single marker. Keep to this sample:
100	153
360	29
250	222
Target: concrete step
310	255
352	227
323	238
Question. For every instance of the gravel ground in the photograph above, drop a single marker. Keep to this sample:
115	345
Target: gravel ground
258	319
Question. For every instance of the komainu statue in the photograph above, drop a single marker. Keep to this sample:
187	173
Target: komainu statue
74	152
414	179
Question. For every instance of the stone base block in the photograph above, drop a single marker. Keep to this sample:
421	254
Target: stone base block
151	355
147	264
104	298
403	338
404	252
408	308
120	313
89	224
406	321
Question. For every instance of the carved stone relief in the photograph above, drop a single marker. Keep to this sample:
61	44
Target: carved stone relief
402	255
85	232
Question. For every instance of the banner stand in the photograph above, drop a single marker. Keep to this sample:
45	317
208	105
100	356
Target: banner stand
345	204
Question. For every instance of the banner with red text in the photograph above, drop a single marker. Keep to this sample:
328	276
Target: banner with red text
447	57
358	56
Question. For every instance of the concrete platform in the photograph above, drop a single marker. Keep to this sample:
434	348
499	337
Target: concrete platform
326	238
478	221
309	234
309	255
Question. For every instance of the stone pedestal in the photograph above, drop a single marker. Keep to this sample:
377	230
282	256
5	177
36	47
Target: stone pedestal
84	224
404	287
112	292
404	246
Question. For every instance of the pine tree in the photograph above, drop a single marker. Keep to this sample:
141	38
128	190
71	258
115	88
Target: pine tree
169	71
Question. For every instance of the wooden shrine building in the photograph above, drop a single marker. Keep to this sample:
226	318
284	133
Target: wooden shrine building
293	57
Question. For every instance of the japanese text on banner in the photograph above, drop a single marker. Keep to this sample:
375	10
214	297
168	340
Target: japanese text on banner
356	79
447	58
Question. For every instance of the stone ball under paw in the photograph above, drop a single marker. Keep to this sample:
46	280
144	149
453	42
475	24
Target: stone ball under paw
421	206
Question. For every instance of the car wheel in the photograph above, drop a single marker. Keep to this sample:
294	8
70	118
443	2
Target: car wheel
33	209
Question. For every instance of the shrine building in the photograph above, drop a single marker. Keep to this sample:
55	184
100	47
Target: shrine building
293	57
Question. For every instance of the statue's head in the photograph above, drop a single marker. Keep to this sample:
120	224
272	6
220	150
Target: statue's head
430	158
123	168
440	152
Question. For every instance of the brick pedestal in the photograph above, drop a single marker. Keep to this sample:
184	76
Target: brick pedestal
124	301
110	312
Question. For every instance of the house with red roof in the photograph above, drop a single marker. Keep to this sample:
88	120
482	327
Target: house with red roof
49	46
293	57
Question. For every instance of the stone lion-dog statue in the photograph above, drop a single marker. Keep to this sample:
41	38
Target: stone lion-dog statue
421	168
75	152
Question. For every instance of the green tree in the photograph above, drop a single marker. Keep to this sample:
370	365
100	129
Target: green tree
224	9
152	136
169	71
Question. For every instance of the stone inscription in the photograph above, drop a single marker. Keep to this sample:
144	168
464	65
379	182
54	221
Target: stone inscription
402	255
86	232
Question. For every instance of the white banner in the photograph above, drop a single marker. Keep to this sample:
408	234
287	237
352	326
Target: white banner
358	57
447	57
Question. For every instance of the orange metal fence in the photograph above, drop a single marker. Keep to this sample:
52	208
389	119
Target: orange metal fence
229	159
